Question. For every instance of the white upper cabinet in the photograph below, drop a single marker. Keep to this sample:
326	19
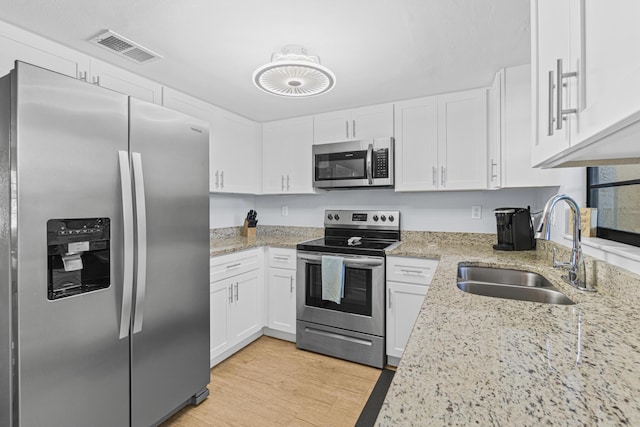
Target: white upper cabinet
416	148
586	81
236	157
462	140
510	133
234	144
374	121
286	156
17	44
114	78
441	142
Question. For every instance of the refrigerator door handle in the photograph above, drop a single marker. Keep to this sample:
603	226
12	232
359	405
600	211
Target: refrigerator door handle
141	246
127	220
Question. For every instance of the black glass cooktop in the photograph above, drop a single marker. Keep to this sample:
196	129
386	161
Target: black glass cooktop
374	247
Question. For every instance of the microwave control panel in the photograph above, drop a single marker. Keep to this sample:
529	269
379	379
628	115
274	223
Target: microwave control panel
381	163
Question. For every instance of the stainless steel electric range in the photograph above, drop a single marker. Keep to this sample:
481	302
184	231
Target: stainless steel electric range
354	328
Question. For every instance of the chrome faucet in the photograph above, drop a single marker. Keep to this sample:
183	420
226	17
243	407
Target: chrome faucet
576	271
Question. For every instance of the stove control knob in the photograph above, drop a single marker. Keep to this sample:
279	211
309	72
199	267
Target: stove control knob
375	217
337	217
329	217
383	218
391	218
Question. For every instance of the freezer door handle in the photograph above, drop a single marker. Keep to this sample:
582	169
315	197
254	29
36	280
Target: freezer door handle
141	243
127	219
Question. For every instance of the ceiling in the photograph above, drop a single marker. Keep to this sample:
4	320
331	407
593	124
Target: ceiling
379	50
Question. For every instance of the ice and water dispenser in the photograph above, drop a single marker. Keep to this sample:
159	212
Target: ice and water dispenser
78	256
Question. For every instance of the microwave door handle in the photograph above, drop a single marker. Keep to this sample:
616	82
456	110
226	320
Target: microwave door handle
369	164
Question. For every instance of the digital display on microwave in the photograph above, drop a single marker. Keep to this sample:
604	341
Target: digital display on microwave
359	217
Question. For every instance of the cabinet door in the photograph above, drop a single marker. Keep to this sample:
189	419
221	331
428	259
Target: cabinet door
246	310
219	299
114	78
416	147
495	131
403	305
610	78
462	140
375	121
235	154
332	127
16	44
283	141
282	300
550	39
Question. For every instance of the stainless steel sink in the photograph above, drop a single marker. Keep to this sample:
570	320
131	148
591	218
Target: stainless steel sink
511	284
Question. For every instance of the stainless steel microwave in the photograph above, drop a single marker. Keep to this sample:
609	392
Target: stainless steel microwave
353	164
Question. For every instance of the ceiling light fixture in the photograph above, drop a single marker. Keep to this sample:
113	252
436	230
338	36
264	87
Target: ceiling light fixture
294	73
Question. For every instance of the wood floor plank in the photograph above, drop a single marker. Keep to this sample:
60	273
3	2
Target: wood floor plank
272	383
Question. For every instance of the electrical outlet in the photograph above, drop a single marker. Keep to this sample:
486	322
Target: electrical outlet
476	212
285	210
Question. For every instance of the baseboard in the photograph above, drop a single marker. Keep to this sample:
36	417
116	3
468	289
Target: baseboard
286	336
393	361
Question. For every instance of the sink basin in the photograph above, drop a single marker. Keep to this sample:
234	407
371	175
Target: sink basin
511	284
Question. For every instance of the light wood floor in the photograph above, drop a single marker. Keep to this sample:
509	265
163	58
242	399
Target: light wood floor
272	383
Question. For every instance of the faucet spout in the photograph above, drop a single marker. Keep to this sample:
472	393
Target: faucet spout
576	276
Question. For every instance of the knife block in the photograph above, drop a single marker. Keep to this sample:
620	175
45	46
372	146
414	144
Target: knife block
248	231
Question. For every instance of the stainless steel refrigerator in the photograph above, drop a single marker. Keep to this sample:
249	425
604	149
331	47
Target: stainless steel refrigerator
104	255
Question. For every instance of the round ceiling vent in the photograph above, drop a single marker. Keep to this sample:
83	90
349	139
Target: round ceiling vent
294	73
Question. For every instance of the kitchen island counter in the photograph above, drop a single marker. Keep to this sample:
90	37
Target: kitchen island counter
476	360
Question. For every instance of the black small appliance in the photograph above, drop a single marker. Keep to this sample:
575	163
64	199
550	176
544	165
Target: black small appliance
515	229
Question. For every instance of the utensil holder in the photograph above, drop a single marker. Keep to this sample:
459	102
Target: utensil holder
248	231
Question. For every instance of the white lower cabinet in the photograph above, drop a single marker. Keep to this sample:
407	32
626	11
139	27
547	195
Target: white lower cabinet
236	297
281	282
408	280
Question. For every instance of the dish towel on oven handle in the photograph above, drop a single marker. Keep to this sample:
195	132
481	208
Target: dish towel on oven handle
332	278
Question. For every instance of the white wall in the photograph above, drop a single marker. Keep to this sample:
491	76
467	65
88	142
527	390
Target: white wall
434	211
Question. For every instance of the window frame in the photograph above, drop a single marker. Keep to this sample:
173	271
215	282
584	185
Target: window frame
615	235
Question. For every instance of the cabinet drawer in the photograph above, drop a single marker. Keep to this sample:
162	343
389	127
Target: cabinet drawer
224	266
282	258
411	270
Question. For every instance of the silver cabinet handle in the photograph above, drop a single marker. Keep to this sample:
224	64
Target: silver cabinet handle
494	167
560	76
346	122
434	175
96	80
291	285
222	179
82	75
288	179
370	163
411	272
231	293
217	179
141	228
282	182
443	176
354	128
389	298
237	291
127	220
230	266
281	258
550	118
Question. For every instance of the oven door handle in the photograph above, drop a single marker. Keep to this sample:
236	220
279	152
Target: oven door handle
347	261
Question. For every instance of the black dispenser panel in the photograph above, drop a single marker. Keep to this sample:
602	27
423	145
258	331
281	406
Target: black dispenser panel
78	256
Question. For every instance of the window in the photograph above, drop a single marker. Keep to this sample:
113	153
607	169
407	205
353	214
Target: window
615	192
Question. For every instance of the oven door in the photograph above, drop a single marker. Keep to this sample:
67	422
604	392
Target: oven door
361	309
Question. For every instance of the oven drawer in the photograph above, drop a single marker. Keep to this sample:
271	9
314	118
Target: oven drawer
282	258
225	266
418	271
336	342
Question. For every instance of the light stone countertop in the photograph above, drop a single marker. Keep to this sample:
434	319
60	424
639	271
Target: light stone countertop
476	360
